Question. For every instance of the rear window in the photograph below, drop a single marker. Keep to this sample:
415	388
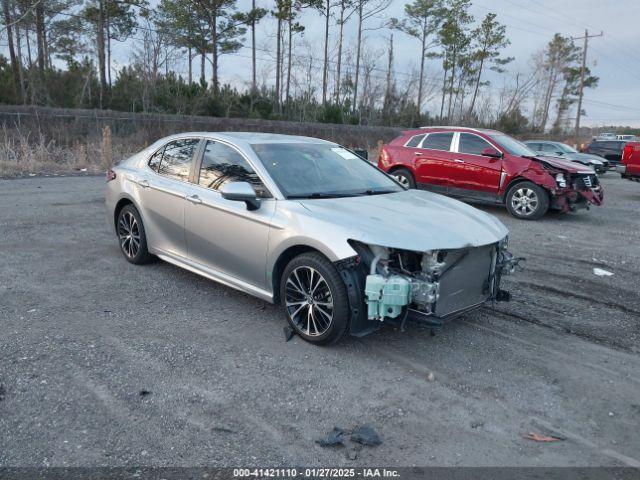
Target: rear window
438	141
415	140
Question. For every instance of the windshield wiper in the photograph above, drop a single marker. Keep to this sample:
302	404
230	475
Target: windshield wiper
377	192
320	195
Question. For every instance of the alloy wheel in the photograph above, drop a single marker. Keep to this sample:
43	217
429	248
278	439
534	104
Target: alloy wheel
129	234
525	201
403	180
308	301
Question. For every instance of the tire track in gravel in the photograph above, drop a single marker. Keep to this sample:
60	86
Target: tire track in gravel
564	293
602	340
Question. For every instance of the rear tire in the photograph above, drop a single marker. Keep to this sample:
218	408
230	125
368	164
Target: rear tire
315	299
131	236
404	177
527	201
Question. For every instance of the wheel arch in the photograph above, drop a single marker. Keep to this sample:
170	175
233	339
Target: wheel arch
400	166
123	202
518	180
281	263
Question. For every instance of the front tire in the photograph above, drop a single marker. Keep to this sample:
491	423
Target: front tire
131	236
527	201
314	298
404	177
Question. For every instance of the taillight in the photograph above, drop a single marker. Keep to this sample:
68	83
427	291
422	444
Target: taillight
111	175
626	153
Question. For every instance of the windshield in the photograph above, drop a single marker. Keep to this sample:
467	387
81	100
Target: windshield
567	148
512	146
304	170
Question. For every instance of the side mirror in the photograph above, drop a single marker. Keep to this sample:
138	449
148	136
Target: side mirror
559	153
491	152
241	192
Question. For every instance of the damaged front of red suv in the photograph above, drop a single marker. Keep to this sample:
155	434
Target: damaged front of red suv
571	186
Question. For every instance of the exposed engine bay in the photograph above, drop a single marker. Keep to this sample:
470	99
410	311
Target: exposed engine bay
438	283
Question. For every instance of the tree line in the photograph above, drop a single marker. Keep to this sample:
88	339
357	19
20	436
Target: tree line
60	53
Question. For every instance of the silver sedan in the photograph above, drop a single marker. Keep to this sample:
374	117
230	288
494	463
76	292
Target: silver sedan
307	224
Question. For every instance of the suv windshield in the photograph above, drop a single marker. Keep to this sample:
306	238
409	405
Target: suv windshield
512	146
318	170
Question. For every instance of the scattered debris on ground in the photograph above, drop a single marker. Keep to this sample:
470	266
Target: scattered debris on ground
536	437
366	435
602	273
3	392
358	437
333	438
431	377
288	333
145	393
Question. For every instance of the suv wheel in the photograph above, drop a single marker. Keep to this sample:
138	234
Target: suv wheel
404	177
315	299
527	201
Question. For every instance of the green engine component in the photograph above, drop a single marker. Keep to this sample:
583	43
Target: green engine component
385	296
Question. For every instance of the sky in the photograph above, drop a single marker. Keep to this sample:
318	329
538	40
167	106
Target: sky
614	57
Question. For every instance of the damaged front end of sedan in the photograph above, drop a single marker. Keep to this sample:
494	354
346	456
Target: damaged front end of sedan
429	287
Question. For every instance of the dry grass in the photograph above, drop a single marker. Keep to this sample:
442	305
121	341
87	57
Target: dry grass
24	153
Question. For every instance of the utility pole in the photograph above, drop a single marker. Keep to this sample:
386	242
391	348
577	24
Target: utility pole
582	71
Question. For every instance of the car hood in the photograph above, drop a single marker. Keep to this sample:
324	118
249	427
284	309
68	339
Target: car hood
566	165
411	220
585	157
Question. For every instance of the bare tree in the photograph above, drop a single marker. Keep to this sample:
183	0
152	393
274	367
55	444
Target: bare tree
366	9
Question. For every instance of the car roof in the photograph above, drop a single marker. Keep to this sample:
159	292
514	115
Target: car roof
446	128
250	138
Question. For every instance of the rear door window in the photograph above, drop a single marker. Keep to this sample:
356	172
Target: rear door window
415	140
177	158
438	141
472	144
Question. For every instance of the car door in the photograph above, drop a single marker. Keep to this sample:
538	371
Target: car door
162	190
432	161
476	175
223	235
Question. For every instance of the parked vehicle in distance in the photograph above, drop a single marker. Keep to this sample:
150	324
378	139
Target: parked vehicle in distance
606	136
547	148
308	224
489	166
630	164
627	138
610	150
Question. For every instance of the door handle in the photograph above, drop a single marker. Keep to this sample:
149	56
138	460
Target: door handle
143	183
417	154
457	160
194	199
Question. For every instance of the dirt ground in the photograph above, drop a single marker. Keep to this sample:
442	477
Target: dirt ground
107	364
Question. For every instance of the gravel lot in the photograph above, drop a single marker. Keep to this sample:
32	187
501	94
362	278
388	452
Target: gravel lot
83	334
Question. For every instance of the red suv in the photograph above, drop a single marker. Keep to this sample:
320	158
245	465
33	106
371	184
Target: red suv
489	166
630	165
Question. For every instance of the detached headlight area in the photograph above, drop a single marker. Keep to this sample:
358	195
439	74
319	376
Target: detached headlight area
561	180
439	283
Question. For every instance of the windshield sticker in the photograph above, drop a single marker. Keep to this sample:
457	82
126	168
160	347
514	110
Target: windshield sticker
346	154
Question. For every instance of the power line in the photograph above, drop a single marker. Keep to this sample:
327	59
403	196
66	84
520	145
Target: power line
611	105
